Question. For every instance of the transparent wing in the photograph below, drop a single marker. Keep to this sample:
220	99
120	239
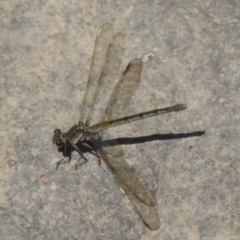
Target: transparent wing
139	194
102	43
123	90
126	178
107	54
110	72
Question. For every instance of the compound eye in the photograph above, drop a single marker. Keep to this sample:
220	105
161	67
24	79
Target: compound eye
57	132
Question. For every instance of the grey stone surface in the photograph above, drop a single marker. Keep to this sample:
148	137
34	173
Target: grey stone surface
191	55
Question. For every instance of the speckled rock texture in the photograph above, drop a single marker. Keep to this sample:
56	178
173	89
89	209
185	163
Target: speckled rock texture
191	54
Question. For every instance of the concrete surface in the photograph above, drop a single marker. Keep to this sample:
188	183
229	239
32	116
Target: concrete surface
191	52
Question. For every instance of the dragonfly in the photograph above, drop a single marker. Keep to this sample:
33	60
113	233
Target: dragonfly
105	63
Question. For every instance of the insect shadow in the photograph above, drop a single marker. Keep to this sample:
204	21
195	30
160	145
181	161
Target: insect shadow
88	145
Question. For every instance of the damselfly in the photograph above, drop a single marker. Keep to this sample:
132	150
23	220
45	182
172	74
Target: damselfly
106	59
